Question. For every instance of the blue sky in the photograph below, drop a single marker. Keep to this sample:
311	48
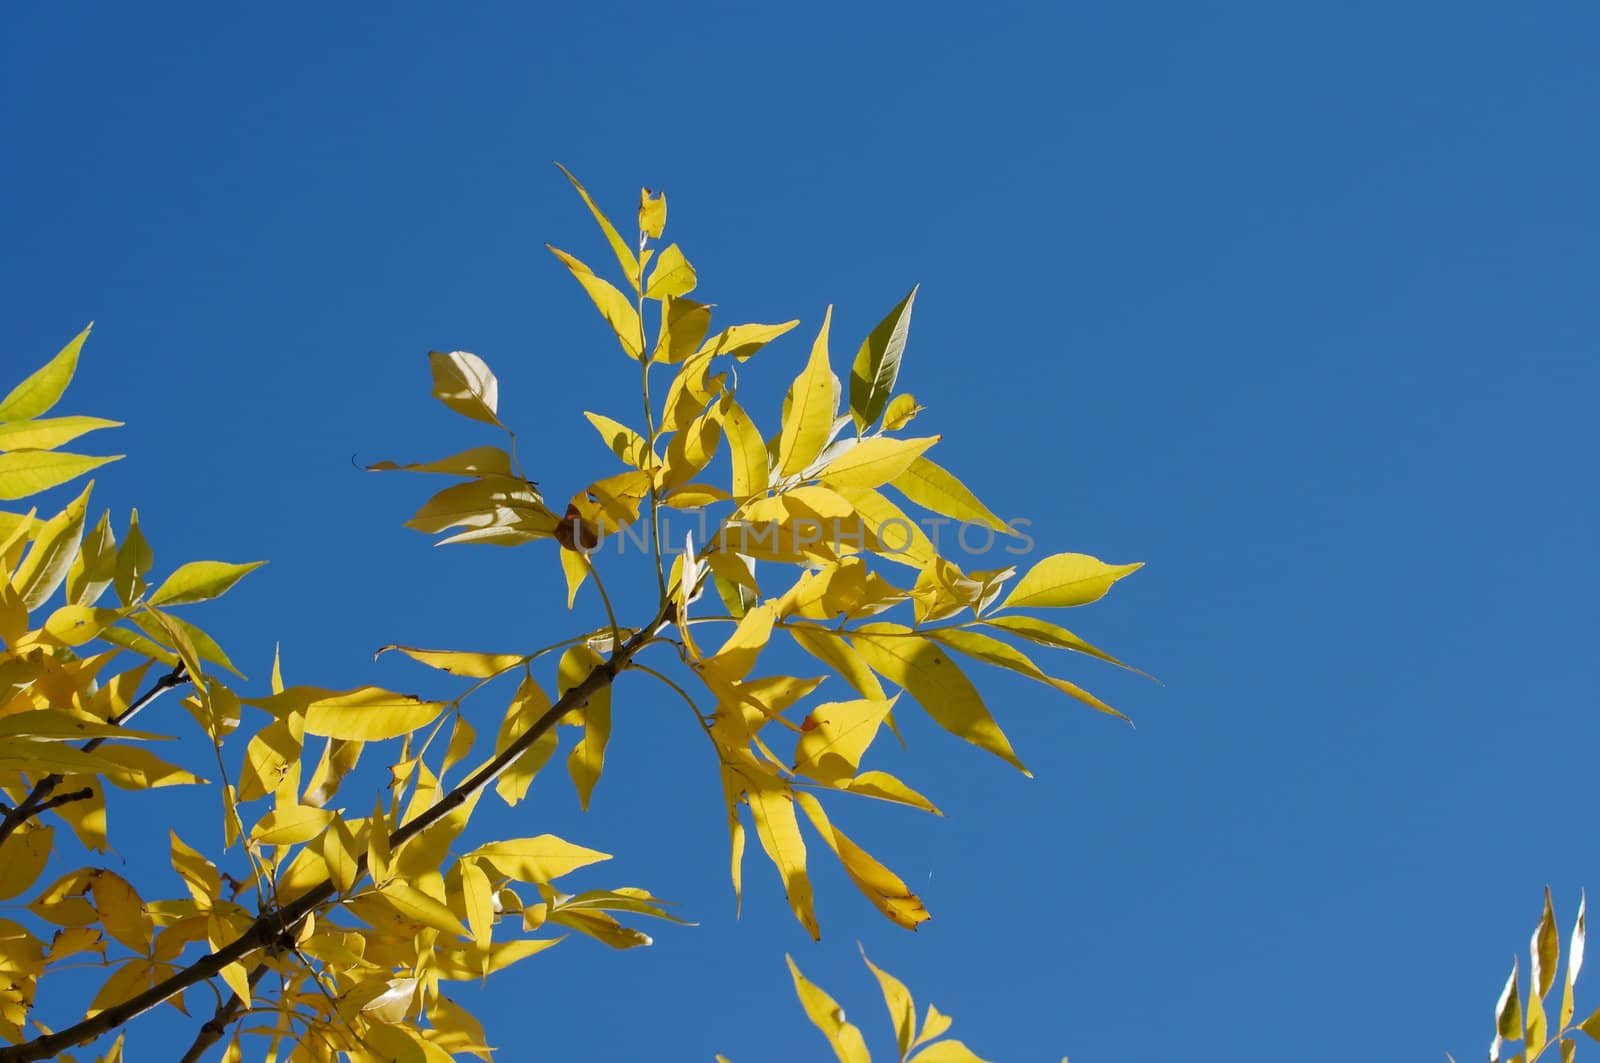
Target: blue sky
1296	305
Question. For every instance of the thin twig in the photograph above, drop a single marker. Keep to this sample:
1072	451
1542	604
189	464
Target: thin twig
38	798
270	925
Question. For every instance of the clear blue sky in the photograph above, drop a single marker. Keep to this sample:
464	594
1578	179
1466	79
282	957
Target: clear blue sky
1297	306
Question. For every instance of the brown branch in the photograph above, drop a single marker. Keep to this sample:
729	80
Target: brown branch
216	1027
283	919
39	799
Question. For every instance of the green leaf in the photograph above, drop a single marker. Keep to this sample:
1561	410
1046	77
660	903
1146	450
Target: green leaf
877	364
45	385
200	581
1063	580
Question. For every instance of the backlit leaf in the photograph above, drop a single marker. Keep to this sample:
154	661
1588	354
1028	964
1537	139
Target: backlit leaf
897	998
672	276
933	488
922	669
45	385
619	246
826	1015
772	808
813	402
540	859
200	581
877	364
874	461
49	433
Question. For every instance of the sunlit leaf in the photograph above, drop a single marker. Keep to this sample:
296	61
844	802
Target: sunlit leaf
44	386
826	1015
49	433
619	313
813	402
463	382
369	714
1062	580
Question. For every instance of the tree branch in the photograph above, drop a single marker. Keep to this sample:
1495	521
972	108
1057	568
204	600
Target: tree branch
39	800
283	919
216	1027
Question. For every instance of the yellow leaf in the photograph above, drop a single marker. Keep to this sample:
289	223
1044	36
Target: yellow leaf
136	768
418	907
612	304
826	1015
684	324
464	964
291	825
45	385
504	511
1574	963
993	651
887	892
528	704
538	859
624	442
897	998
134	558
1063	580
479	461
934	1024
831	649
901	411
199	875
95	565
463	382
342	855
947	1052
51	555
738	654
932	488
836	736
874	461
122	913
478	898
922	669
652	213
22	859
49	433
672	276
369	714
271	755
742	341
747	449
588	757
200	581
619	246
877	364
813	404
885	787
772	808
463	663
1508	1012
899	538
1047	634
1545	951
